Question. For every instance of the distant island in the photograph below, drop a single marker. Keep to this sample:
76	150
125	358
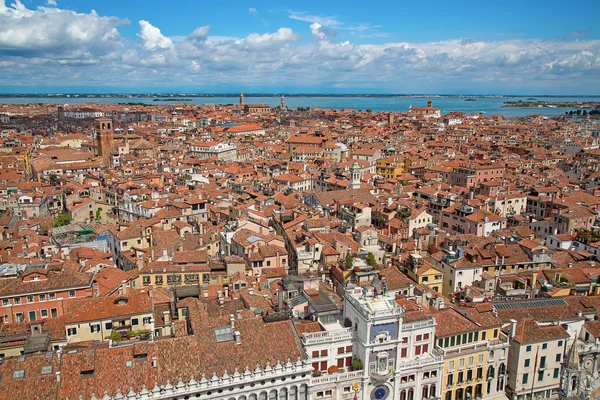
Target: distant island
171	99
550	104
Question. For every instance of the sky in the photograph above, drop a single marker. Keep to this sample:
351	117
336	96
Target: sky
328	46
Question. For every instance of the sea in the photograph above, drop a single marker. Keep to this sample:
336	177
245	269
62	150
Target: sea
486	105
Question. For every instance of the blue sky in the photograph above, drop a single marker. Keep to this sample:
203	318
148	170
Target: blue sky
511	47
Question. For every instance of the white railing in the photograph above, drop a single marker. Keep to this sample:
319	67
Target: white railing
409	326
327	336
332	378
492	344
368	313
436	357
174	390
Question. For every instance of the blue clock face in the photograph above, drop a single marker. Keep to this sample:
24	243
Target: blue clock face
380	393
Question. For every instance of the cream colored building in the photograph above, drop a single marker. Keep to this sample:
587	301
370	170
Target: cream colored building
96	318
535	358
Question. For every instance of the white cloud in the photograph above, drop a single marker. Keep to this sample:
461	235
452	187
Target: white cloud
51	3
52	46
199	34
54	32
328	21
151	37
267	40
253	11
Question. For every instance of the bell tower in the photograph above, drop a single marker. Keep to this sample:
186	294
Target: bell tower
355	176
105	139
241	99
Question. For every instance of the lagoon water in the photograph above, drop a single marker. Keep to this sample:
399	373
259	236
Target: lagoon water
486	105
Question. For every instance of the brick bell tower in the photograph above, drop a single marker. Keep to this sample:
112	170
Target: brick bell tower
105	139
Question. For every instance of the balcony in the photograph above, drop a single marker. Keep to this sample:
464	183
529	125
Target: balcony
429	322
436	357
493	344
327	337
334	378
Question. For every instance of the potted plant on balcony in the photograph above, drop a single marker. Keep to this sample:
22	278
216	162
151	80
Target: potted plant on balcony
115	337
356	364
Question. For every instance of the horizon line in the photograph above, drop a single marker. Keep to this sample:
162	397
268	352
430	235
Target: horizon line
264	94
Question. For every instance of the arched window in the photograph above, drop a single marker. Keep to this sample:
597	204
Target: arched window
449	395
410	394
293	393
303	393
432	391
103	126
283	395
252	397
490	372
573	383
273	395
425	393
262	396
403	395
502	369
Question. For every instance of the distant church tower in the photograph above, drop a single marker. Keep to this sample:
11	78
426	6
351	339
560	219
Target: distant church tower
241	99
282	105
355	176
390	118
105	139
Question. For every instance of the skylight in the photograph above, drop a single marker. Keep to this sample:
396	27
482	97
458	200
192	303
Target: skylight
223	334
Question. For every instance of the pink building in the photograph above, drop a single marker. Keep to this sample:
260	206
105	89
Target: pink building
472	176
39	293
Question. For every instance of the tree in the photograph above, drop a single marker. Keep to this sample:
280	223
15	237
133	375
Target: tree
98	213
53	179
349	261
357	364
115	336
370	259
62	220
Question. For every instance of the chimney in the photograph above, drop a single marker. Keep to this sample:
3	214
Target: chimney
166	317
232	322
124	287
250	290
411	290
513	328
534	279
238	337
205	292
239	314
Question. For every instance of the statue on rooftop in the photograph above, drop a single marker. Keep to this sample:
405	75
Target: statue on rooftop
364	292
384	290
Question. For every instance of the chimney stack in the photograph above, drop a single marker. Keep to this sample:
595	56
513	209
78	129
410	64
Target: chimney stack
238	337
232	321
513	328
